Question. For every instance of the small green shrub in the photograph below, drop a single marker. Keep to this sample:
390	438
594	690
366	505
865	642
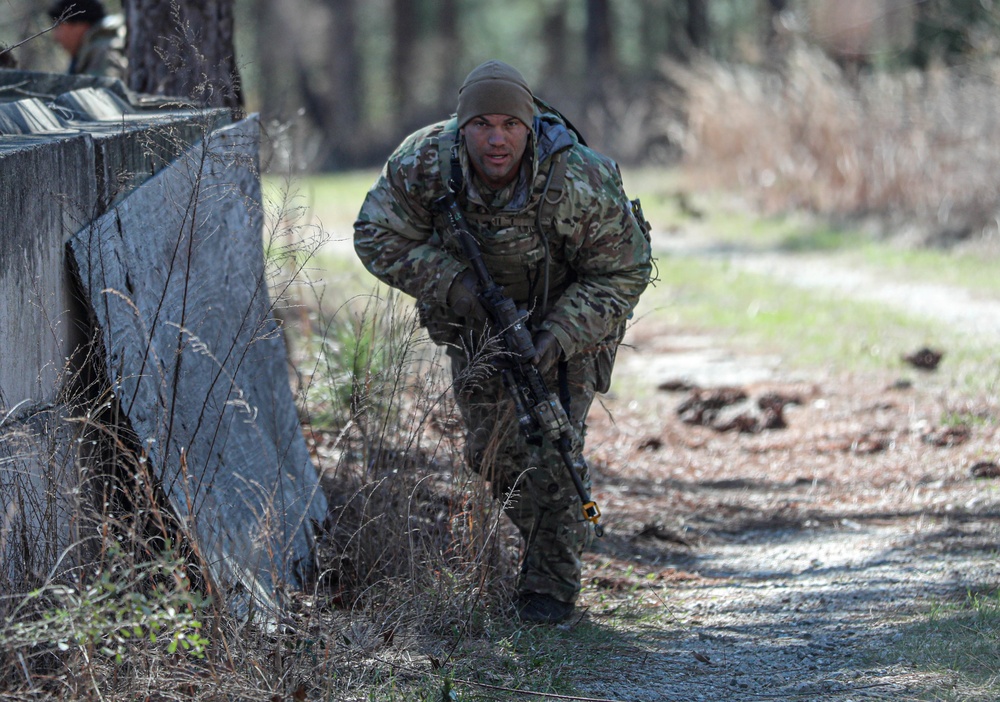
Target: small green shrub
115	610
960	640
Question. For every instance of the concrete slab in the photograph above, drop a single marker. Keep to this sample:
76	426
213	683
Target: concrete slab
28	116
52	194
175	277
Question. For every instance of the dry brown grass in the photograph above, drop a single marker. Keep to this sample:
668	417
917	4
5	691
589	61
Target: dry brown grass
415	561
903	147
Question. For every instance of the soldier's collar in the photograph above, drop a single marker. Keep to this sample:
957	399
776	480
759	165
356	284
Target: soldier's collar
512	196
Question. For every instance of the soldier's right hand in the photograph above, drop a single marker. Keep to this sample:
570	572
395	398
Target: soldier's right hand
463	297
547	350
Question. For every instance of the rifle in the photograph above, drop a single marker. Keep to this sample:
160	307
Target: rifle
540	414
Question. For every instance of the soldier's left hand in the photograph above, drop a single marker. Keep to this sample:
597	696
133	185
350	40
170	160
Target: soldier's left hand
547	350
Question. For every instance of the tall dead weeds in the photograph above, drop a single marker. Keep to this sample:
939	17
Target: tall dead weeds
907	148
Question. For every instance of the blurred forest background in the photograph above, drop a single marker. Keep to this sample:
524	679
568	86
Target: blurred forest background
841	106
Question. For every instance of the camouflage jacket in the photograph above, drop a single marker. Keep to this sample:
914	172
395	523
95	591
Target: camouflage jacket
103	50
587	249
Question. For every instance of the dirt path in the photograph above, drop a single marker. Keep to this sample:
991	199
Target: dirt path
787	614
798	559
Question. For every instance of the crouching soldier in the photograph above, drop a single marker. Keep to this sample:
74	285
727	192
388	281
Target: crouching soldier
559	235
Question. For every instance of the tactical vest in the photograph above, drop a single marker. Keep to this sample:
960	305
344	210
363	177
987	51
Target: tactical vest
517	248
515	245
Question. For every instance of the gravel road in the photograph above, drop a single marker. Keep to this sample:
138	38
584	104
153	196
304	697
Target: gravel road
801	615
796	562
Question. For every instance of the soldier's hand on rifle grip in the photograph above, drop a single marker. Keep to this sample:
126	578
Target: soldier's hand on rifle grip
547	350
463	297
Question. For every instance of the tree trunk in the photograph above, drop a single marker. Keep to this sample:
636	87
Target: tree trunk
774	41
697	26
184	49
599	47
405	27
677	41
555	72
272	84
451	47
338	108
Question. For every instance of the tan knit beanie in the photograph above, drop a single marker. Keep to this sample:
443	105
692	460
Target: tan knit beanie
495	88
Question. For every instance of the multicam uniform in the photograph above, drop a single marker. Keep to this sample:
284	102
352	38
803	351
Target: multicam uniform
577	263
103	50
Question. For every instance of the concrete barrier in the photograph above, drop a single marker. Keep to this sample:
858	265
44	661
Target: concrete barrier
63	163
175	276
157	210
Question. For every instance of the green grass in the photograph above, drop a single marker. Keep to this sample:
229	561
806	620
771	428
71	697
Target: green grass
309	237
661	194
669	205
959	641
975	272
808	328
329	201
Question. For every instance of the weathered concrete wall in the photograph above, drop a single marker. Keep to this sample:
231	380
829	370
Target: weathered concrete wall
175	275
37	333
158	210
17	85
47	189
70	147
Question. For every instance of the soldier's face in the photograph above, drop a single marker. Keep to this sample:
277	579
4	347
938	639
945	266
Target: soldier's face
496	145
69	35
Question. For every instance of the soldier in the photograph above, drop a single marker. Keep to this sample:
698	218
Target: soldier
561	237
94	40
7	58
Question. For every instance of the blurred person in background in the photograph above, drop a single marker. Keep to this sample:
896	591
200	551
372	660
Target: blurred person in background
7	58
94	39
558	233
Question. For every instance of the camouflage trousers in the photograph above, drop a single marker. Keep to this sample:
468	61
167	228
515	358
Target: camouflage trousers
530	478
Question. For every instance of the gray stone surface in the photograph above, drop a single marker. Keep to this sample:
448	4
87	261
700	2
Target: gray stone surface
173	268
128	153
40	526
28	116
50	191
17	85
175	276
63	162
92	104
